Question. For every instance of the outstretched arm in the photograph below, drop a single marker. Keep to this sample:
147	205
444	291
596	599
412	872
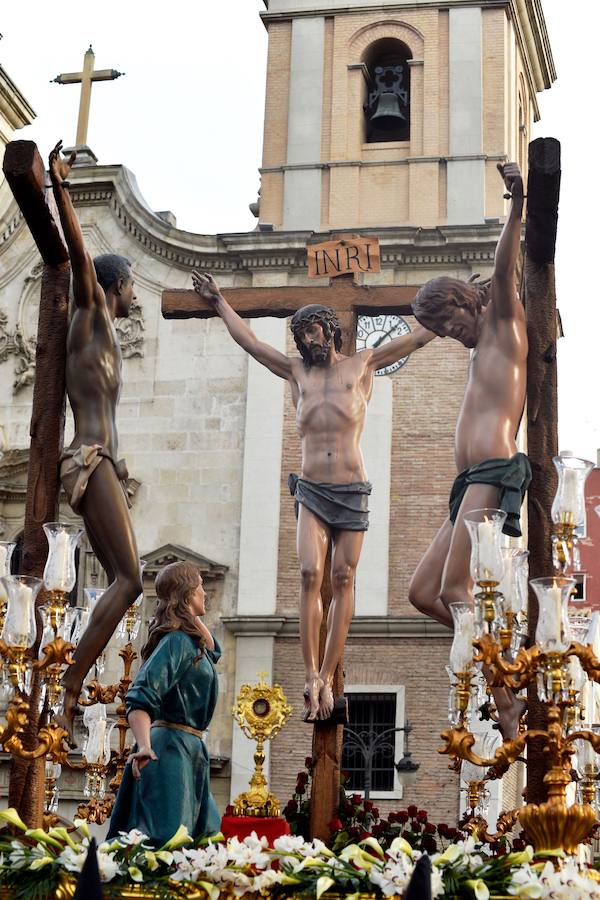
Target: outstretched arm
85	282
398	348
504	289
268	356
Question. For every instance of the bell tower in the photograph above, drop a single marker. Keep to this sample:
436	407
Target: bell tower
395	113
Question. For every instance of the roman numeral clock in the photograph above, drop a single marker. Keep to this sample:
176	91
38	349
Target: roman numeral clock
372	331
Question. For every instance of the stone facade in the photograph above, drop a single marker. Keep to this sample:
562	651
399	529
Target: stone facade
210	437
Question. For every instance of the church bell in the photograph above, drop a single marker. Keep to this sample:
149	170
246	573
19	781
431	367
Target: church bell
387	115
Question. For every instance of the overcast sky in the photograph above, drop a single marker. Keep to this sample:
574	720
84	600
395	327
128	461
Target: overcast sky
187	120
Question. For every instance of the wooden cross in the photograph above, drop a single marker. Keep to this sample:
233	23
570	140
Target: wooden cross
26	175
85	78
349	300
543	187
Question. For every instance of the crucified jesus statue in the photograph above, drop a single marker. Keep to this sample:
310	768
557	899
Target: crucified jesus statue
91	474
490	320
330	392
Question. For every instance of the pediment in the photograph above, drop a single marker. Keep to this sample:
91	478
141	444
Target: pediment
170	553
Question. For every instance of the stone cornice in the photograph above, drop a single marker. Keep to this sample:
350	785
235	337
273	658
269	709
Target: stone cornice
361	626
13	105
240	254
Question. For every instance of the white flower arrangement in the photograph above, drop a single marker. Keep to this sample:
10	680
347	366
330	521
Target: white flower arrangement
292	866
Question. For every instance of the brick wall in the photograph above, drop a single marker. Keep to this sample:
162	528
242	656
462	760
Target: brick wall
379	661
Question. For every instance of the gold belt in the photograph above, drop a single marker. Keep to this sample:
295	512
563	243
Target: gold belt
160	723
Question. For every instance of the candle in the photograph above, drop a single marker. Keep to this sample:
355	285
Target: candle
554	613
570	498
18	617
58	575
487	550
3	571
461	652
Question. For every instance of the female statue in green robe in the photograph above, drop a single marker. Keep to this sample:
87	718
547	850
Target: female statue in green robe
170	703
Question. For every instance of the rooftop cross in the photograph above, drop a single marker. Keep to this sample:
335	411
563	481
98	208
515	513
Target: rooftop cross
85	78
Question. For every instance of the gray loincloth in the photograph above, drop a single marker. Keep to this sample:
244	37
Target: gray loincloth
511	476
344	507
77	466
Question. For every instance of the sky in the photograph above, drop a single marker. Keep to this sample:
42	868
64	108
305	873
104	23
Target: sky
187	120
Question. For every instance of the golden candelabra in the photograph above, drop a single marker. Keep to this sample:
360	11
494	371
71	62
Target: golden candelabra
99	807
261	712
556	664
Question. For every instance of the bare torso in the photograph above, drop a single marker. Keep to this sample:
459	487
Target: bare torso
495	394
93	374
331	403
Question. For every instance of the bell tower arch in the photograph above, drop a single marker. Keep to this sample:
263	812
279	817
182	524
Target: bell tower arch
447	88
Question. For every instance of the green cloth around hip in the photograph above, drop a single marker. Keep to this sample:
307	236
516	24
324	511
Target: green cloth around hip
511	476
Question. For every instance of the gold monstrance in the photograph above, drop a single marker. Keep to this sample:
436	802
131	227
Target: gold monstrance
261	712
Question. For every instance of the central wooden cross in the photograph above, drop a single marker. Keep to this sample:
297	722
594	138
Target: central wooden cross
349	300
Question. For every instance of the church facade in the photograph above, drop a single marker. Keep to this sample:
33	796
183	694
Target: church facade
209	436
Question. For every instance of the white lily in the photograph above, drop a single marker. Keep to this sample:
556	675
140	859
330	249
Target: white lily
323	884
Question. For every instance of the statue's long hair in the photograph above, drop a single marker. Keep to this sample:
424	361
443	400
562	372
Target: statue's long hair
309	315
175	586
432	305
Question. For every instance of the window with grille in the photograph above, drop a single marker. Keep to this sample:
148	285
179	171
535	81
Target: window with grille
370	714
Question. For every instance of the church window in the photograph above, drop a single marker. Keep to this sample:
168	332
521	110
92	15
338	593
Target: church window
387	107
371	712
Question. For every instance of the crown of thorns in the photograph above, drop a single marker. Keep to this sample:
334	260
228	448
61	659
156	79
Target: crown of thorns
308	315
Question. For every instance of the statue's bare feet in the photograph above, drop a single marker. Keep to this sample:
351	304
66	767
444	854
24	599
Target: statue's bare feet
325	700
312	690
509	716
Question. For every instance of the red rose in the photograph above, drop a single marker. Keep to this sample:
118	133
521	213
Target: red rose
356	799
429	828
335	825
308	762
429	845
368	805
412	811
402	816
375	812
422	815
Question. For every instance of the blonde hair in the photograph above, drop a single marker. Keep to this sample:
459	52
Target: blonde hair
175	586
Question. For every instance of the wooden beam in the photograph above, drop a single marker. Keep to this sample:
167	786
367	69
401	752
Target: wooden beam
542	409
25	174
281	302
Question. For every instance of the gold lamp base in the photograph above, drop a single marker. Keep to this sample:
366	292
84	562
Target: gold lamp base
556	826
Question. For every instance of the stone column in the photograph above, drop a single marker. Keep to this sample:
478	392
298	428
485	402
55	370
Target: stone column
372	572
259	531
302	183
466	174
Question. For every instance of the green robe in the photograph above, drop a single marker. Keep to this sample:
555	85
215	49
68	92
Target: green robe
174	790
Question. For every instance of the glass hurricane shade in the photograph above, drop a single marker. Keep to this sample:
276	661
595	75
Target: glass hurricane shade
19	628
553	632
485	530
461	651
59	572
513	585
99	728
568	506
7	549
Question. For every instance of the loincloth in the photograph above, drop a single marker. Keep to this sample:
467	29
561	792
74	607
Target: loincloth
343	507
77	466
511	476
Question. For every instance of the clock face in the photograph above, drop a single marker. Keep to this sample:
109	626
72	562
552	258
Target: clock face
372	331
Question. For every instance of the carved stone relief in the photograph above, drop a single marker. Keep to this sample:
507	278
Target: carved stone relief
21	342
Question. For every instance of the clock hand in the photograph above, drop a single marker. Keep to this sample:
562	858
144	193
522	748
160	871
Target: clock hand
381	339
